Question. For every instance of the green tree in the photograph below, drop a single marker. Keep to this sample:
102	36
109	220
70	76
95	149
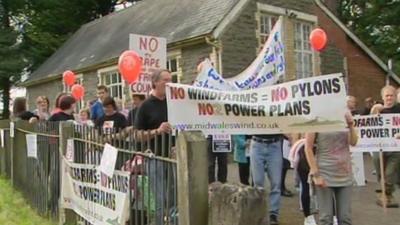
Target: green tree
49	23
12	62
377	23
32	30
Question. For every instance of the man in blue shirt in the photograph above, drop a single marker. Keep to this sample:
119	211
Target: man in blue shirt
96	111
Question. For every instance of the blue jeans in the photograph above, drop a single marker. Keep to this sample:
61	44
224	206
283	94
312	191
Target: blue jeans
268	157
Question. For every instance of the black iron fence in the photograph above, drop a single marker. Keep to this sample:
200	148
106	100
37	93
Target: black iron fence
150	161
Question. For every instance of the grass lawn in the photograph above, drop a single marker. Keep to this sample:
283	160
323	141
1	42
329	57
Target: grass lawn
14	210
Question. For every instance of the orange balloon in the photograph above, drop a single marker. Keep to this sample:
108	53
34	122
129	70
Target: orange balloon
69	78
318	39
130	66
77	91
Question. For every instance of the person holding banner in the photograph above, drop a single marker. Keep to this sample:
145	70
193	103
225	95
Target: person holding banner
266	155
152	122
391	160
330	171
152	117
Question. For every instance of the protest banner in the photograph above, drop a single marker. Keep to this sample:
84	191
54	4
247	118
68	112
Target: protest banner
266	69
293	107
153	52
377	133
99	199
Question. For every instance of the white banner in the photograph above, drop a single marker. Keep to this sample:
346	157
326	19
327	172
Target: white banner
99	199
153	51
266	69
377	132
316	104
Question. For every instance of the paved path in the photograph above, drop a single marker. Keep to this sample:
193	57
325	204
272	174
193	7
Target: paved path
365	210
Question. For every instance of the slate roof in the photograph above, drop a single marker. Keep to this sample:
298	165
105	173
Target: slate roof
106	38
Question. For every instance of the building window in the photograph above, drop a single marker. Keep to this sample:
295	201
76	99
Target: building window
302	49
173	65
113	81
266	23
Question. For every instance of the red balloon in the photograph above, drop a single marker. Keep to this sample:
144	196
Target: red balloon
69	78
77	91
130	65
318	39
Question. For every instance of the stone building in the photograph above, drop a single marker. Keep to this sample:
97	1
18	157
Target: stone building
229	32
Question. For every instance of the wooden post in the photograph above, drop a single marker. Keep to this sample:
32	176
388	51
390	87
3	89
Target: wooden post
192	178
66	131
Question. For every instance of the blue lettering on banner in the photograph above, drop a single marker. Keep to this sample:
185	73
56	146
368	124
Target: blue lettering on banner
255	80
276	36
214	75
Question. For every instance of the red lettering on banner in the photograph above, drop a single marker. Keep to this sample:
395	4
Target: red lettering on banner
177	93
148	44
149	61
205	109
279	94
396	121
141	87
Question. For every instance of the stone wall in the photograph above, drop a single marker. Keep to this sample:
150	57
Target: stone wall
190	58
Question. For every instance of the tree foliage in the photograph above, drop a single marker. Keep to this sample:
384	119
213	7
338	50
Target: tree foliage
49	23
32	30
377	23
12	62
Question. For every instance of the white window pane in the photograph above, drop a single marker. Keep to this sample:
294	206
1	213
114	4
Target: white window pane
108	79
114	78
310	65
173	65
299	63
168	65
174	78
297	44
115	91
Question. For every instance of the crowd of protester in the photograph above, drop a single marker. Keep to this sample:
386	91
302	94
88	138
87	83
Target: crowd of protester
321	161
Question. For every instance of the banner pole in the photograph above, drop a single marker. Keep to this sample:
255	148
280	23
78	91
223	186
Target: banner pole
382	171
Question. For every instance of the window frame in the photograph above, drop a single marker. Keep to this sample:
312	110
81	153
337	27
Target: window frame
303	51
290	18
101	73
175	55
261	16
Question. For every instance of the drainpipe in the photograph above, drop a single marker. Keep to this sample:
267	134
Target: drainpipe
217	49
